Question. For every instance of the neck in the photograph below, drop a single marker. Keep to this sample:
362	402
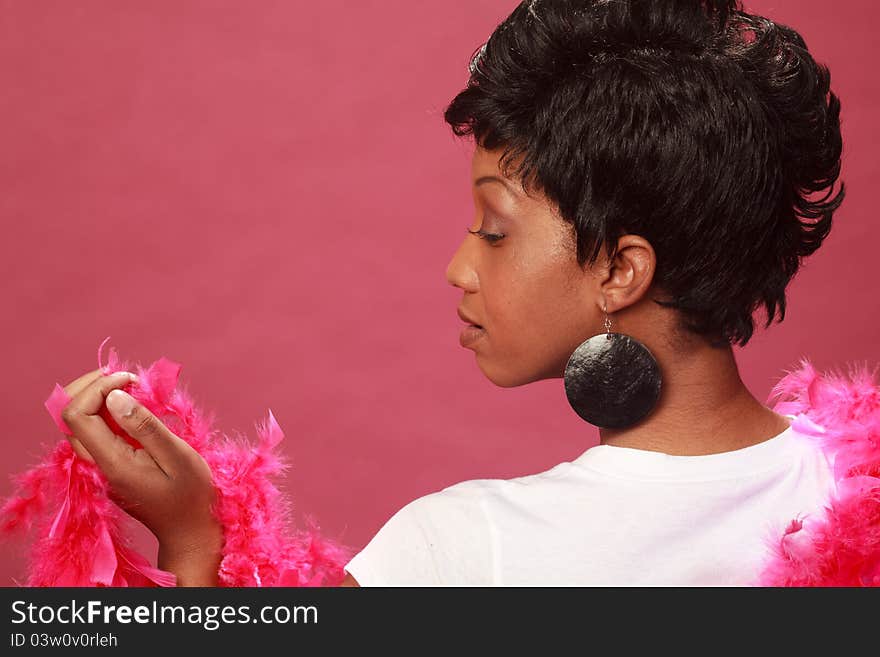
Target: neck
704	408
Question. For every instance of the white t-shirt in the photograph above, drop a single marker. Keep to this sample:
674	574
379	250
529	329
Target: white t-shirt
615	516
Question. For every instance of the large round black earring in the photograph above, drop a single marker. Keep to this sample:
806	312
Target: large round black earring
612	380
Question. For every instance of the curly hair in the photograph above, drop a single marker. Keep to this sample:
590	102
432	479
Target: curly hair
710	132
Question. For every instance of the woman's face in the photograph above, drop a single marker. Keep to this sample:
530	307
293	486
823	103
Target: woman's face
534	302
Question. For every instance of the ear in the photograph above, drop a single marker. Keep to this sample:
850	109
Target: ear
629	275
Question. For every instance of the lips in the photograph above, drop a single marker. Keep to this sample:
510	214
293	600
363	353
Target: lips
471	335
467	318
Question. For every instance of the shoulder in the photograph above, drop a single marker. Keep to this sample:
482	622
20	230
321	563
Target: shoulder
440	538
454	505
445	537
473	505
478	489
472	492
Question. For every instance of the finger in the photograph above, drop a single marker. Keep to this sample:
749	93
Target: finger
137	421
80	449
81	416
78	385
72	389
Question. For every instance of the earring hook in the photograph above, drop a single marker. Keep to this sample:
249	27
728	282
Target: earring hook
607	319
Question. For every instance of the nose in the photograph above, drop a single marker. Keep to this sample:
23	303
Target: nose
460	271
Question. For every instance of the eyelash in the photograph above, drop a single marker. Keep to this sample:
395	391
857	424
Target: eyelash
489	237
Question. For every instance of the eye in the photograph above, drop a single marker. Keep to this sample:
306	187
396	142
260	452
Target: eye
489	237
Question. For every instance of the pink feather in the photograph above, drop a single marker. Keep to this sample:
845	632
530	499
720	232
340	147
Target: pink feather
80	533
839	544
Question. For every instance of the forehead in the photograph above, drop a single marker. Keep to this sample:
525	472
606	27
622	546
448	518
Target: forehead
486	164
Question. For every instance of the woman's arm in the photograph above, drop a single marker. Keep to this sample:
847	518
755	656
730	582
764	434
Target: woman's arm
349	581
167	485
196	564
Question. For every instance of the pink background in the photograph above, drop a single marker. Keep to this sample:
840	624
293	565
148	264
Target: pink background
266	193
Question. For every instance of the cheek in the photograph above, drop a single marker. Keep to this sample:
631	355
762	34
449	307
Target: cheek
532	336
547	285
538	307
537	312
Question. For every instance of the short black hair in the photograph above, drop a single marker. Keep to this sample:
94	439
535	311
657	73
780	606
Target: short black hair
710	132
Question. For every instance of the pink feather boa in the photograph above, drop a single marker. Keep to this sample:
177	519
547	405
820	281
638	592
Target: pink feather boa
83	542
839	545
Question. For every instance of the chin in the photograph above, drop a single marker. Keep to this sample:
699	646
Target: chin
506	378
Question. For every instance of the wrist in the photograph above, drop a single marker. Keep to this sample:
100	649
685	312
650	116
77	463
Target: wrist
195	559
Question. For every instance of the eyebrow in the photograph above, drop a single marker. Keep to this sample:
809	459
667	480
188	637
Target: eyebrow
485	179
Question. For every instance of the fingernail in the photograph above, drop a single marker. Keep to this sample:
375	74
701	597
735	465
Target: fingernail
129	375
120	403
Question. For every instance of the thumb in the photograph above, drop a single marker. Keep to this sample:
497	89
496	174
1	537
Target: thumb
140	424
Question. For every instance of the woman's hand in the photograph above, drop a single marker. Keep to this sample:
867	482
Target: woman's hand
167	485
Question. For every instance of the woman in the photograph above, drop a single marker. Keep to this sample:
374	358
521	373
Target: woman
645	170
